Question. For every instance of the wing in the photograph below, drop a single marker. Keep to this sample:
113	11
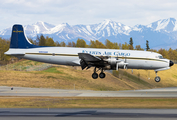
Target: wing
88	60
88	57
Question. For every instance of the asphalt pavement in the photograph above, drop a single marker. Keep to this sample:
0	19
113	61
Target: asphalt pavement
23	91
88	114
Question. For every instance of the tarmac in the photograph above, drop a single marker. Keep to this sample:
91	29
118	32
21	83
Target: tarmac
87	114
23	91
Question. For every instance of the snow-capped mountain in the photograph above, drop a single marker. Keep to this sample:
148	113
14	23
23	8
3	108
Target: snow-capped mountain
110	28
166	25
30	30
161	33
37	28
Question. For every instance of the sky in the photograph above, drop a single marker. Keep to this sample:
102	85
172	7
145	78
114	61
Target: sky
127	12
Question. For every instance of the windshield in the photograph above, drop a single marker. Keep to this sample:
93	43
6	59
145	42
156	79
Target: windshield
160	57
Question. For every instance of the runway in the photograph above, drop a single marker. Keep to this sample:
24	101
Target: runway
88	114
23	91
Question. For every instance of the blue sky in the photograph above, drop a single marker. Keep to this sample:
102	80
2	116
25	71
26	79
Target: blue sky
128	12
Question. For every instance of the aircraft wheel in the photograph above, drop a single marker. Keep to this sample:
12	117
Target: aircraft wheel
94	75
102	75
157	79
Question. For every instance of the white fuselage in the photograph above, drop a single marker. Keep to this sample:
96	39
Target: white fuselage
69	56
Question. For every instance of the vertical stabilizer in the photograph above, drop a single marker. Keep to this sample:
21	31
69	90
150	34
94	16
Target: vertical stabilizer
18	38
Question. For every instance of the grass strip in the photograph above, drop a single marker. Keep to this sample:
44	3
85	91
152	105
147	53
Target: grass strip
86	102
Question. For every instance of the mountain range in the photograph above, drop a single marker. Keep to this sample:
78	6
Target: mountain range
160	34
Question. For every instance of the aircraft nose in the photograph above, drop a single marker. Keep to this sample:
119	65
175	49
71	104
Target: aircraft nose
171	63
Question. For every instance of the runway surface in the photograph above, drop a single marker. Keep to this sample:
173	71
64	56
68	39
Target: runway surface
88	114
23	91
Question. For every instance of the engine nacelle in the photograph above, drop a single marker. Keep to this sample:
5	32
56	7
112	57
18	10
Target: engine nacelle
112	61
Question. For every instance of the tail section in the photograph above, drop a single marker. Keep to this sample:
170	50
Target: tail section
19	40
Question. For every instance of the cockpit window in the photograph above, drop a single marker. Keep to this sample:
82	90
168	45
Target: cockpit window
160	57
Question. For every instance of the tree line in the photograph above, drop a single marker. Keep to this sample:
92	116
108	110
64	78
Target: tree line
48	41
4	46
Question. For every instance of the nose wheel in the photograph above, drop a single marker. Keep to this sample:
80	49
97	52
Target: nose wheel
157	78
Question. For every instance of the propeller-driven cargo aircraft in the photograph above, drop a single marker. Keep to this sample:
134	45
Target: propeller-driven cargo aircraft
100	59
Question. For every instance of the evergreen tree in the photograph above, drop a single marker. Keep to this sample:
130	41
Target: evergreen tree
131	44
147	45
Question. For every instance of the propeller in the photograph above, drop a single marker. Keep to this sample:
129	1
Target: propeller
125	65
117	64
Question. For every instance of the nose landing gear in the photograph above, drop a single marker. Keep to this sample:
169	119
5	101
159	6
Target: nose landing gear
157	78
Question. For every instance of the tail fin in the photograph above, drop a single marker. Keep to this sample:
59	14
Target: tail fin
18	38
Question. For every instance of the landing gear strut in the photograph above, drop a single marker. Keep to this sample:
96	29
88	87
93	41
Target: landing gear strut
95	75
157	78
101	75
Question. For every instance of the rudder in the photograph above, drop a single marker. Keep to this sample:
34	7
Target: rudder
18	38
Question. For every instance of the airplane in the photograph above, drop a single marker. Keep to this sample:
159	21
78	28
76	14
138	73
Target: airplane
100	59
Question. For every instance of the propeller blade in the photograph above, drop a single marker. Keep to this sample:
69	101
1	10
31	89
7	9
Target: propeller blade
125	66
117	66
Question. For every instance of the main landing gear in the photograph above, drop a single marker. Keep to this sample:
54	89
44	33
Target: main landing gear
157	78
101	75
